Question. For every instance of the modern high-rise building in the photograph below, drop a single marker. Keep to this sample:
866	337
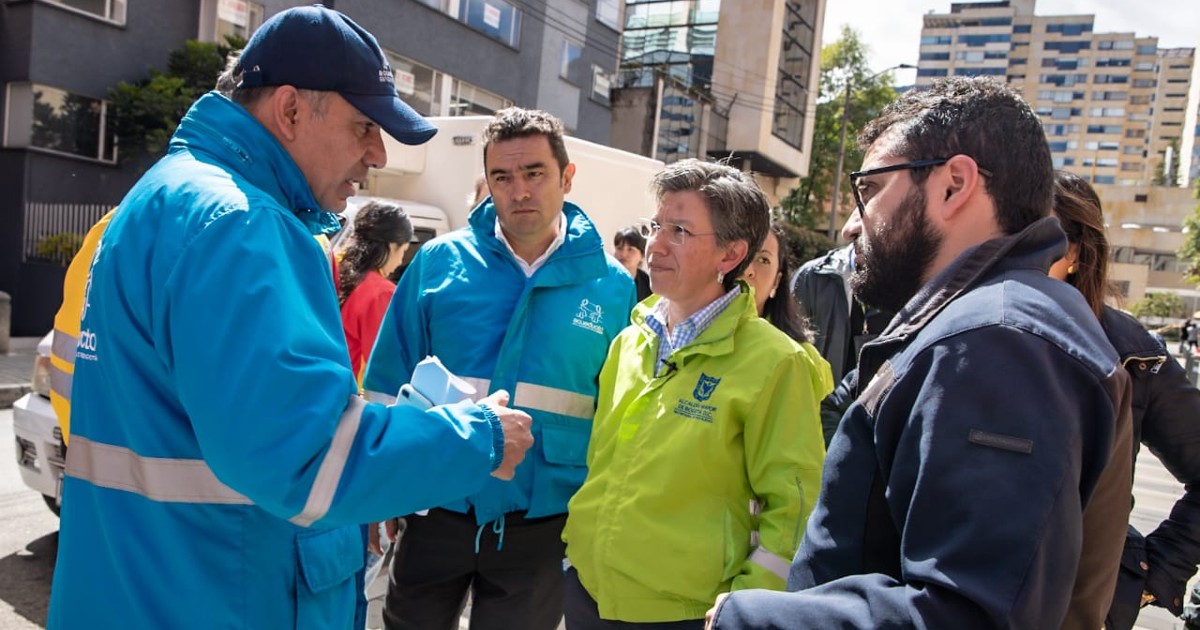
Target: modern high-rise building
706	79
1113	104
61	163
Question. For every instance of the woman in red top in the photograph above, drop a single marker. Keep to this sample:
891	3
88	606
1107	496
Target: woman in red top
382	232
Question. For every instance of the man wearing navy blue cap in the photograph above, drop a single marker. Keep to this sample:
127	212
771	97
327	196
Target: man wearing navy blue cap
217	434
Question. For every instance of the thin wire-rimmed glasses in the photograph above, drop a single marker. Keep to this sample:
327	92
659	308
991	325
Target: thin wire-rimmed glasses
676	234
903	166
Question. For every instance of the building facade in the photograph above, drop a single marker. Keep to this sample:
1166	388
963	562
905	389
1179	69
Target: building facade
1113	104
59	159
724	80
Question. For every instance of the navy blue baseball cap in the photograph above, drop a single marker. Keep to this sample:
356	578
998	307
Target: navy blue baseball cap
315	48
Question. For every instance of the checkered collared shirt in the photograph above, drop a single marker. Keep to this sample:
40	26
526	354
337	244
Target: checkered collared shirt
686	331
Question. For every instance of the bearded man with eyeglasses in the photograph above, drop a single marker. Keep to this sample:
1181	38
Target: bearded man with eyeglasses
980	479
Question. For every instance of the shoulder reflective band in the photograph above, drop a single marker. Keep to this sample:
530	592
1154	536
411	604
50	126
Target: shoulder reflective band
771	562
329	475
560	401
156	478
63	346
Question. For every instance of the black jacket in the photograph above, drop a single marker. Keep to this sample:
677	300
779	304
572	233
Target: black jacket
819	287
981	477
1166	418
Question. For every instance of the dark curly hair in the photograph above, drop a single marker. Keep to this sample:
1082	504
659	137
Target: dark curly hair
780	309
984	120
378	224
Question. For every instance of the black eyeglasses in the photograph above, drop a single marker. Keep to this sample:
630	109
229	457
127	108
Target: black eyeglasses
903	166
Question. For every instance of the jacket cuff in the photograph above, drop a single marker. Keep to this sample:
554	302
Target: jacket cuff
497	436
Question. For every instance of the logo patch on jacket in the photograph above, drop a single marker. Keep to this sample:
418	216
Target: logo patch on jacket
589	317
705	387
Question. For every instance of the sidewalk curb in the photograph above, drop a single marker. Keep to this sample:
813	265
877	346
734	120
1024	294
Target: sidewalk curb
10	393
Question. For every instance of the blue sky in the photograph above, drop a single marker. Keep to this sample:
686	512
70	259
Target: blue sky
892	28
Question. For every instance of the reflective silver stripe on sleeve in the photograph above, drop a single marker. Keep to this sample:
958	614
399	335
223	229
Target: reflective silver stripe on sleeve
379	397
481	385
330	473
771	562
60	381
156	478
63	346
561	401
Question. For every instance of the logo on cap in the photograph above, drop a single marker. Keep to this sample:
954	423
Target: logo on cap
385	75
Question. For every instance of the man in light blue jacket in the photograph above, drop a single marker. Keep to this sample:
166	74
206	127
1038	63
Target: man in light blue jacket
530	305
218	442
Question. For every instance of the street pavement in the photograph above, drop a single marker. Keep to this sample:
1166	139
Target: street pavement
16	369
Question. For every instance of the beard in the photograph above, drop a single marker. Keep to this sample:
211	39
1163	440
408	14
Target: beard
890	263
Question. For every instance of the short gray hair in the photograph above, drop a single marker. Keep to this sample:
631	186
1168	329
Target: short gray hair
737	207
230	79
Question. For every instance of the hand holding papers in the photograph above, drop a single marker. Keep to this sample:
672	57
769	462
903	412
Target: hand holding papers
432	384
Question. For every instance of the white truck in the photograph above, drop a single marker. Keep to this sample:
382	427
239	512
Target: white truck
435	181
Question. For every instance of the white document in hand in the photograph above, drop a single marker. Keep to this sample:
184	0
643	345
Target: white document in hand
432	384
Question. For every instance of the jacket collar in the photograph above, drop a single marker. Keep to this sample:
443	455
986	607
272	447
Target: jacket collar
225	132
583	246
716	339
1036	247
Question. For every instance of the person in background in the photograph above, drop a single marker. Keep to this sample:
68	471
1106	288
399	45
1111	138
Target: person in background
768	267
629	247
525	299
840	321
382	234
213	401
981	477
1155	569
1185	335
706	449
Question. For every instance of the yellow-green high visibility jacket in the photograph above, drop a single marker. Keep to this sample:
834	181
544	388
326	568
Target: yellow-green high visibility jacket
700	480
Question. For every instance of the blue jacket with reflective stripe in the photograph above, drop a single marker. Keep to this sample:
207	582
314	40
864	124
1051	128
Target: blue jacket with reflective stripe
218	440
542	338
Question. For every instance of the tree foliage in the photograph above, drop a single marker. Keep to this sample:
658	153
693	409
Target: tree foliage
1168	174
843	61
146	113
1189	252
1158	305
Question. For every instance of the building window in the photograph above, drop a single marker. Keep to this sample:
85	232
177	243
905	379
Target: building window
1141	198
676	38
932	72
983	40
980	72
470	100
1022	28
1069	30
568	61
237	18
494	18
416	84
678	124
608	13
112	10
936	40
1067	47
56	120
601	86
795	65
935	56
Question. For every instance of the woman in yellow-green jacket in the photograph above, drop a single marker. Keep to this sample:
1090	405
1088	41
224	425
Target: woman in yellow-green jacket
706	449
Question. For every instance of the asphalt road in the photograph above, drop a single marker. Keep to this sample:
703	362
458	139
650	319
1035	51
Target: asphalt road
29	538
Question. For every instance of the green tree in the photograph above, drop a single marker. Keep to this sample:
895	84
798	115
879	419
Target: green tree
1158	305
842	61
146	113
1189	252
1169	177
